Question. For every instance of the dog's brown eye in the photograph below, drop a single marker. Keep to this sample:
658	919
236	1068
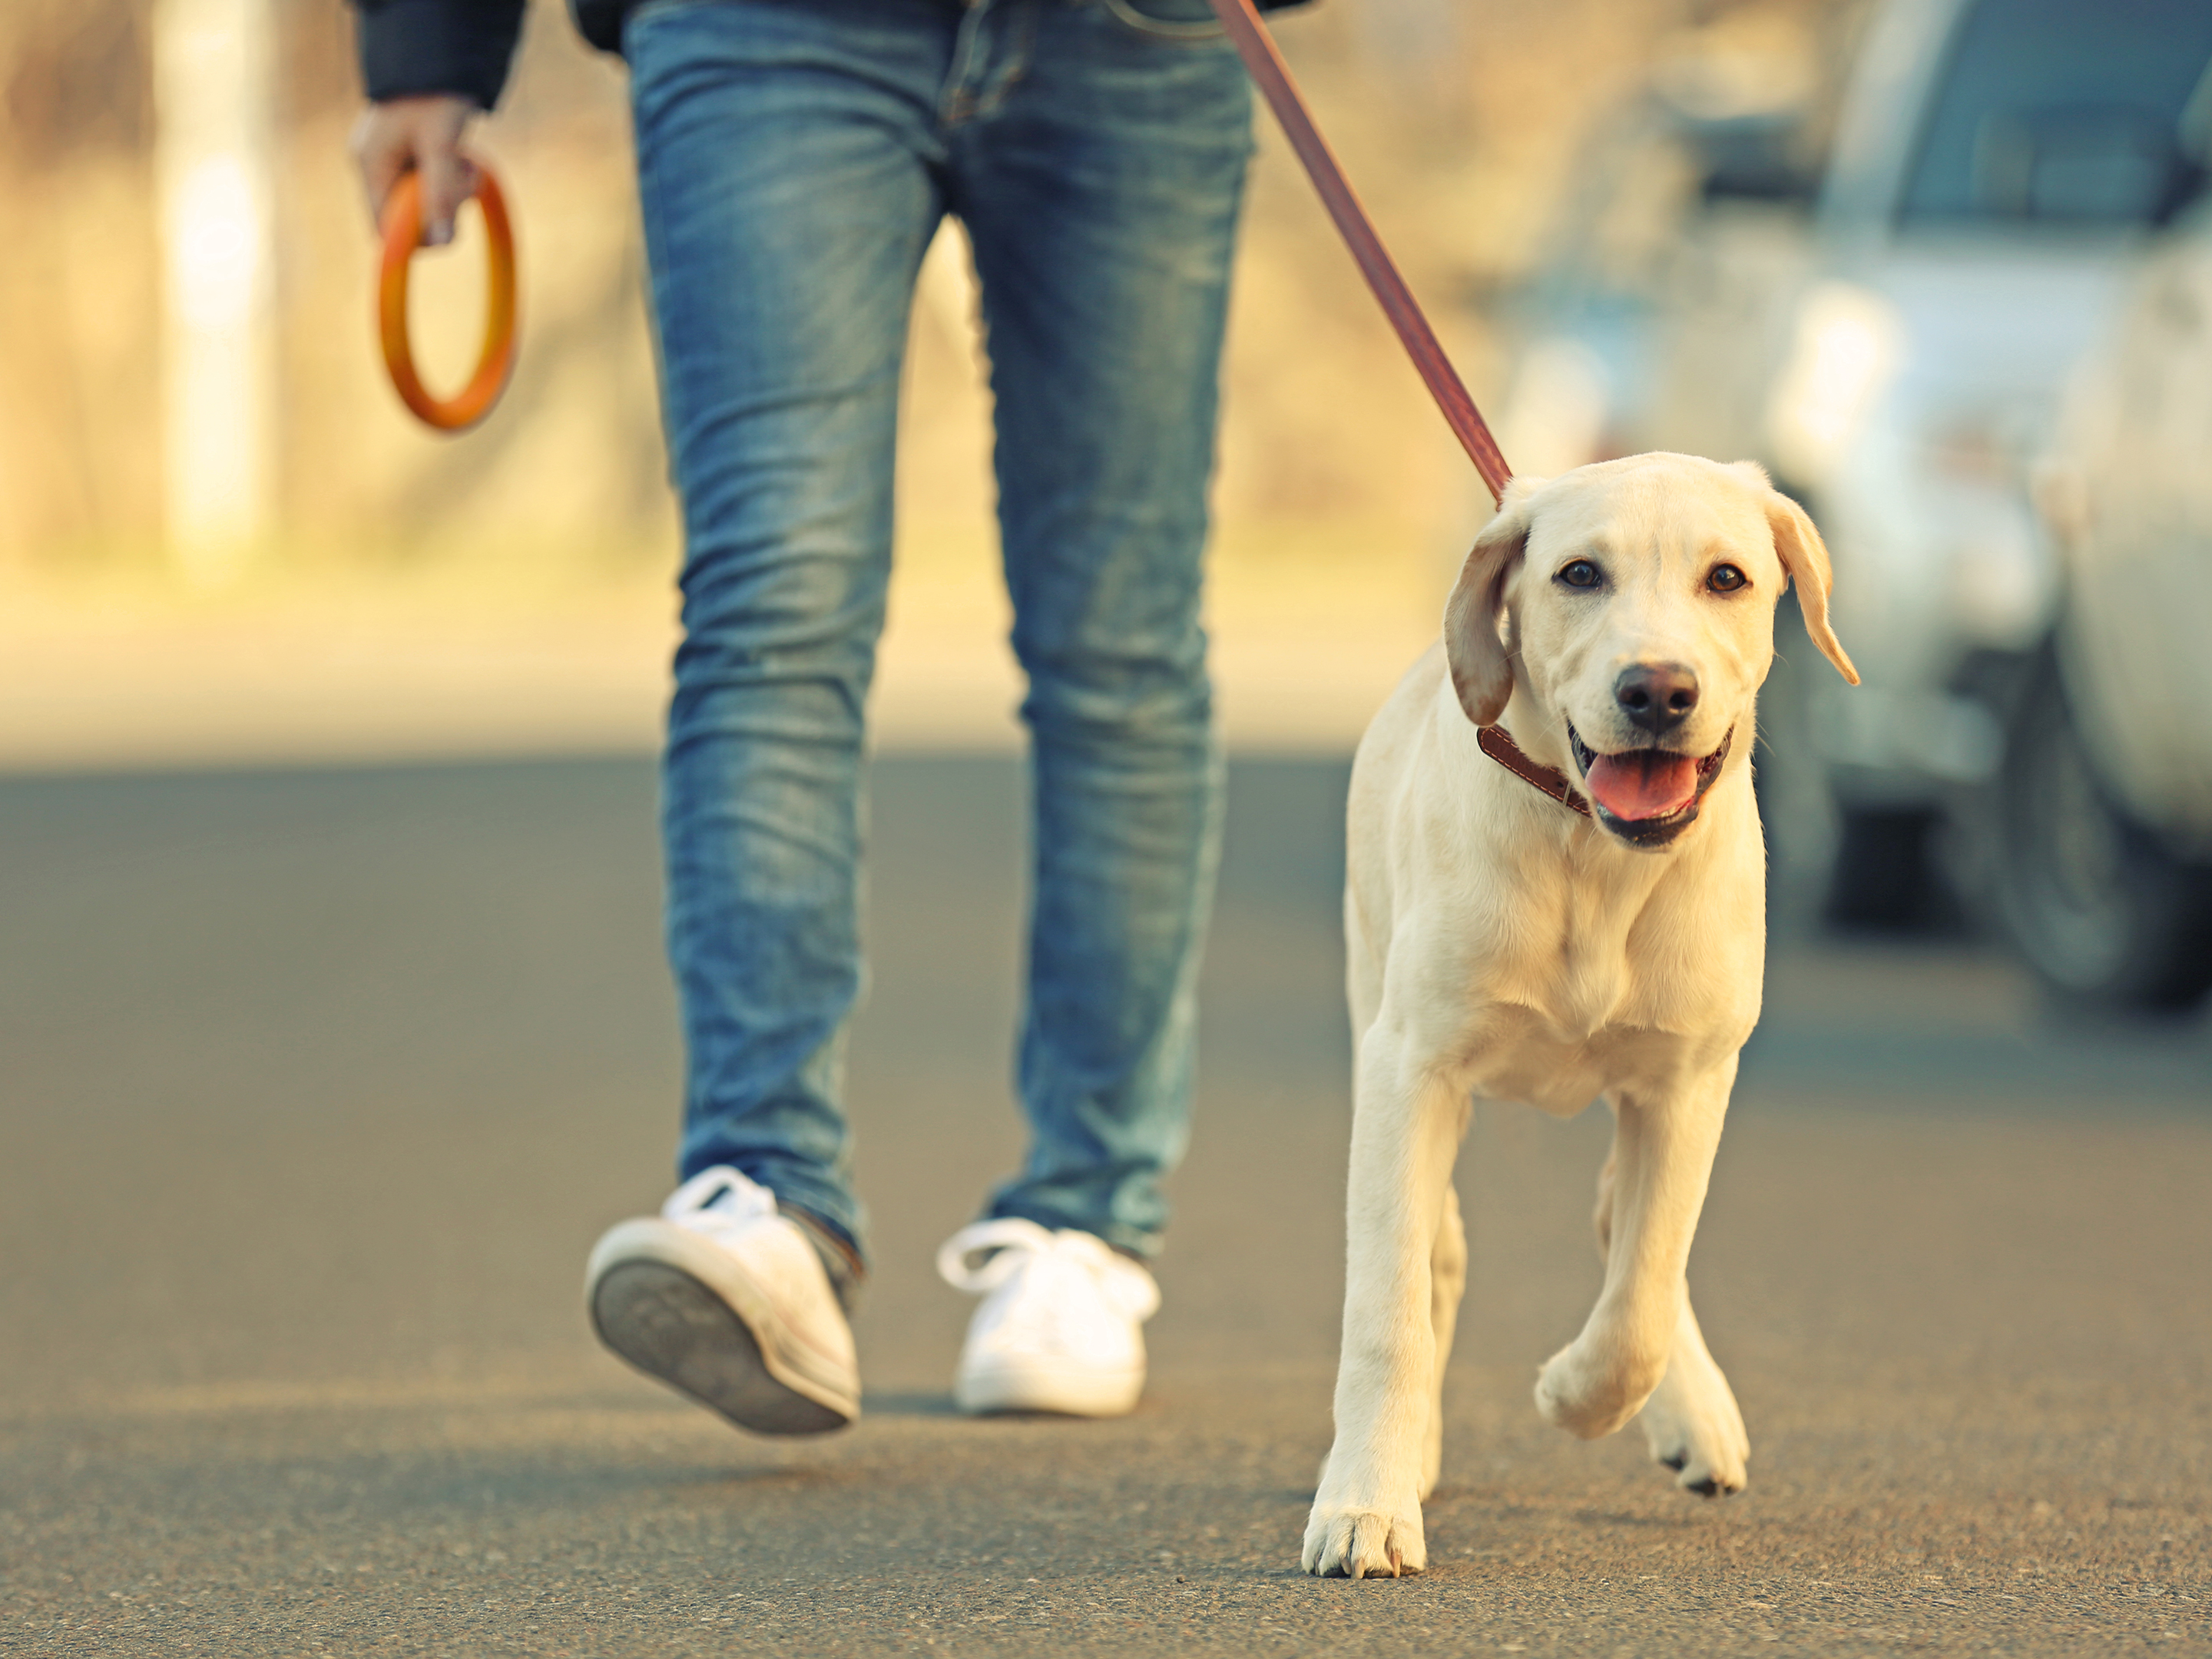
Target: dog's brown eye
1581	572
1726	579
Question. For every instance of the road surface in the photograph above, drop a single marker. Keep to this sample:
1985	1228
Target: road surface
316	1087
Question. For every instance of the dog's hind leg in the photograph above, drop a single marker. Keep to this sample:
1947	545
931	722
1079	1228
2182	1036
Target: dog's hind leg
1447	1284
1692	1422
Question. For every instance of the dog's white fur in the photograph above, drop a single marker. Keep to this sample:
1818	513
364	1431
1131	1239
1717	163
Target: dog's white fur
1502	945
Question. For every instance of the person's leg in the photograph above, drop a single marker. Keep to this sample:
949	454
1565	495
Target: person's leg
1101	188
788	193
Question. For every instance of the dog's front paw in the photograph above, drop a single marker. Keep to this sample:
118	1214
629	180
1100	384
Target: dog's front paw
1589	1397
1346	1542
1692	1425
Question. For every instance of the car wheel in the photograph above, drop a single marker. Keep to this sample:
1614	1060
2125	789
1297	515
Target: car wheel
1885	877
2099	908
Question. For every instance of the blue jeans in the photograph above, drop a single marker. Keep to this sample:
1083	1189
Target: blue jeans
795	158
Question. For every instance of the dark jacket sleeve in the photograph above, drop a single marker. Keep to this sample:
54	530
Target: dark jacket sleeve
410	47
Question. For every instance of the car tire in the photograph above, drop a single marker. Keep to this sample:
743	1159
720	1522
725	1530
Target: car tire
2105	915
1885	877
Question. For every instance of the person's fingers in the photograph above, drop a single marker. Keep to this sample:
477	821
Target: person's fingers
381	153
449	179
417	135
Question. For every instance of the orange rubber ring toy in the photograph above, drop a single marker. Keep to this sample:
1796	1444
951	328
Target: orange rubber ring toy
402	233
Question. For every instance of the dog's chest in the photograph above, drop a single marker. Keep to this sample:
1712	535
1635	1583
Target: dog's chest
1523	1055
1557	1015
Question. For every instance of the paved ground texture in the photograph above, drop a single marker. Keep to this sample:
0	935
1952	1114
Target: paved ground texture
315	1088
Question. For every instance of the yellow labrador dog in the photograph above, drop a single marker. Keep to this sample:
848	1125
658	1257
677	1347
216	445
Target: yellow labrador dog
1568	904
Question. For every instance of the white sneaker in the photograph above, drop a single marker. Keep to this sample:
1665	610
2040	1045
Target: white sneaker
723	1299
1061	1328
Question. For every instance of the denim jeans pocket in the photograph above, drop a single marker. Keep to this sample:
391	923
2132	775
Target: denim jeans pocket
645	11
1180	22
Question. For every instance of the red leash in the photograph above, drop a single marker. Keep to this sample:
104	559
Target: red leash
1257	48
1241	19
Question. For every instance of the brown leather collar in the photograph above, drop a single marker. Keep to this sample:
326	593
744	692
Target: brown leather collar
1499	744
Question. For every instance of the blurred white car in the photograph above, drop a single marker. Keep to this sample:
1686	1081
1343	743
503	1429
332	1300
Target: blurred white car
1997	169
1662	305
2098	830
1885	316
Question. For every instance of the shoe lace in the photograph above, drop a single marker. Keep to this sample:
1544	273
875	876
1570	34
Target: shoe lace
986	1254
719	1200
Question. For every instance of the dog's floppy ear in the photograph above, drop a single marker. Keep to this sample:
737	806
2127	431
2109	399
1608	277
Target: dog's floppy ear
1804	556
1481	672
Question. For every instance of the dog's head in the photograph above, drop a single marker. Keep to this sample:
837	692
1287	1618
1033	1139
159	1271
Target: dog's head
1637	603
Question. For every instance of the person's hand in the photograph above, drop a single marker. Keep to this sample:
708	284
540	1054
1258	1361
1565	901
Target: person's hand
417	135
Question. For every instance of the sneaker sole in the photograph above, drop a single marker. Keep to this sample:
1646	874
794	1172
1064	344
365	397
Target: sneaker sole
985	1390
677	1329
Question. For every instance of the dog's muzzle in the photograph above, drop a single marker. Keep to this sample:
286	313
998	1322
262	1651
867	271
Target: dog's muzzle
1660	828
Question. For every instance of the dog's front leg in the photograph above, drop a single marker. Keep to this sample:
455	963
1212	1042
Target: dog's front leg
1447	1284
1692	1422
1662	1158
1366	1519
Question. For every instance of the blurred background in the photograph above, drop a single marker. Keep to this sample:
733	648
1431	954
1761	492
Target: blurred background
208	488
221	536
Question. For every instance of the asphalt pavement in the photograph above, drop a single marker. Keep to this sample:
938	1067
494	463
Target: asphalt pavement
315	1088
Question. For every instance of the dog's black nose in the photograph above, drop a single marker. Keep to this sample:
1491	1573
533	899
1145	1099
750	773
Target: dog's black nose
1657	695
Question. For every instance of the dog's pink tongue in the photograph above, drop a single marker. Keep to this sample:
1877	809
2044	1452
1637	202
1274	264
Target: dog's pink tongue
1642	783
